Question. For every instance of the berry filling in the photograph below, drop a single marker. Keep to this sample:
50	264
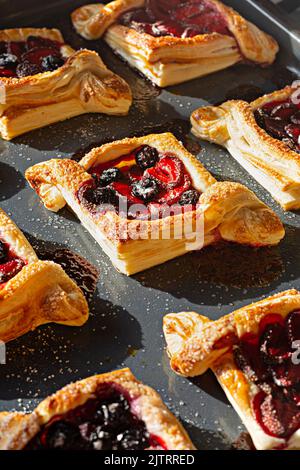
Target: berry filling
147	178
105	422
269	360
30	57
281	120
176	18
10	264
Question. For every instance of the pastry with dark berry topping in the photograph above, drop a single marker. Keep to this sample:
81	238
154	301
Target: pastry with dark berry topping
33	292
112	411
172	41
39	73
263	136
255	356
147	200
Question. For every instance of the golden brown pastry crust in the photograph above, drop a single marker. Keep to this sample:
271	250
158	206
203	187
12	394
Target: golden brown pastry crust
40	293
195	343
17	429
229	210
168	60
269	160
82	85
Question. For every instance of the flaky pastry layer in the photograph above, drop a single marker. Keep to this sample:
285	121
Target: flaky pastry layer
270	161
82	85
195	344
17	429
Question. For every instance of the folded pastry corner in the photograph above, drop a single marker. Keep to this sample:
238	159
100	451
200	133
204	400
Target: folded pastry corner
43	81
262	136
111	411
148	200
33	292
172	42
254	354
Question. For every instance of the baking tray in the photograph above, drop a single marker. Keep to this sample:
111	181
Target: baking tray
125	327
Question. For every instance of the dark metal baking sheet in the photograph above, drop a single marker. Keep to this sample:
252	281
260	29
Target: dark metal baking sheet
125	328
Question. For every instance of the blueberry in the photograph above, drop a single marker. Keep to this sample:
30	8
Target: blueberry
190	197
146	189
8	60
3	253
109	176
51	63
146	157
63	435
25	69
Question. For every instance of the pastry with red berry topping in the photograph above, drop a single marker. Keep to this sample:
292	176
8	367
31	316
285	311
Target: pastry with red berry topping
172	41
255	355
112	411
33	292
148	200
43	81
263	136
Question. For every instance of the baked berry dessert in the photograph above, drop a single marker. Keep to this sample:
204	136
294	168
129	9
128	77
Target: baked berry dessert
33	292
255	355
174	41
111	411
36	62
263	136
148	200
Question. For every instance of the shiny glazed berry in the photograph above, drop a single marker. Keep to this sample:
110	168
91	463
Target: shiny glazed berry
146	157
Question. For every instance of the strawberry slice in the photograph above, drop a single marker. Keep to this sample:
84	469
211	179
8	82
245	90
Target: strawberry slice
172	196
168	170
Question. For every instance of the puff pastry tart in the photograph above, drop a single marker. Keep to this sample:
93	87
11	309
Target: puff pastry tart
43	80
33	292
254	353
147	200
112	411
174	41
263	136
